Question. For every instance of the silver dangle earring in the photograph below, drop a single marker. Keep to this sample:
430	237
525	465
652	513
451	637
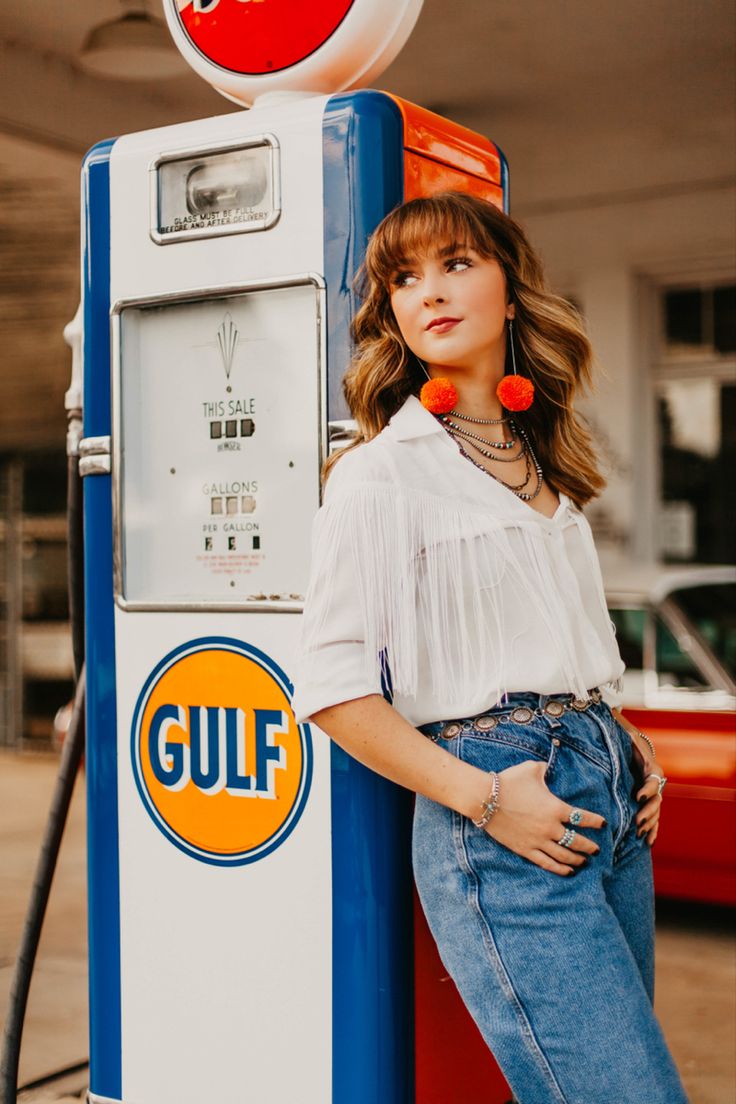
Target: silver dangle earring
513	348
515	392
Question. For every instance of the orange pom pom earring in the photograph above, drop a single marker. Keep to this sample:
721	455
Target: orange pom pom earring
515	392
438	395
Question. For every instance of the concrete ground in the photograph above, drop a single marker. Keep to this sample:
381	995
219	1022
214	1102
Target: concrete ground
696	959
55	1035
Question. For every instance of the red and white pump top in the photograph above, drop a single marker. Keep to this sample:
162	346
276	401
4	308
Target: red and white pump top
245	48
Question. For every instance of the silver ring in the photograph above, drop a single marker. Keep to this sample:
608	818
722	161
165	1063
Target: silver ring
661	782
575	816
567	837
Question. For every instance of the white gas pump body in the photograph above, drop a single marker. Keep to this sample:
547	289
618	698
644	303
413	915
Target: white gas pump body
267	924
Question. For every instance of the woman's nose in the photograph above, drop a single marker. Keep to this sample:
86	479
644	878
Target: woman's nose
432	296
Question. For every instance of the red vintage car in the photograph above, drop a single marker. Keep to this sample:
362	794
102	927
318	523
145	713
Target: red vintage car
676	629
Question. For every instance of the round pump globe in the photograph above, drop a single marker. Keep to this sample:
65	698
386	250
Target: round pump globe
245	48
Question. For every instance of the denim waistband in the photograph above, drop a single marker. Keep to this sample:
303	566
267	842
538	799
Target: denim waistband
520	706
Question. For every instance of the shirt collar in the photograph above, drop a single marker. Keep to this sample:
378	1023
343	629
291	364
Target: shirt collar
413	420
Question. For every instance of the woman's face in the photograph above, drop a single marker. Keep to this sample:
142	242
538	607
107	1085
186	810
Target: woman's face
458	284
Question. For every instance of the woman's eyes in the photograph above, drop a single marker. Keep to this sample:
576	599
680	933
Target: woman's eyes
461	261
401	279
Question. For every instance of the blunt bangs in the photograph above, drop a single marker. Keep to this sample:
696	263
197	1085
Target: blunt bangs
424	226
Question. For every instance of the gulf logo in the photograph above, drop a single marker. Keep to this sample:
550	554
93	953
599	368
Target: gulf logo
220	764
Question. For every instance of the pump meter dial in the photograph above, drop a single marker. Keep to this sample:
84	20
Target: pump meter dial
216	445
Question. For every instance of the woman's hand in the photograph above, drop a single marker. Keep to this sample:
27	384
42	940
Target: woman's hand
530	819
647	818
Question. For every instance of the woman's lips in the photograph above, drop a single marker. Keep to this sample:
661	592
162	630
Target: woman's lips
444	326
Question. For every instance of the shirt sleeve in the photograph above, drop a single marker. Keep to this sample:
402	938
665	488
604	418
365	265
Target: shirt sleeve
334	662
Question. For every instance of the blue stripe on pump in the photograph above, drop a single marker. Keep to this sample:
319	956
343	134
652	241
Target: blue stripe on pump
372	955
505	184
101	751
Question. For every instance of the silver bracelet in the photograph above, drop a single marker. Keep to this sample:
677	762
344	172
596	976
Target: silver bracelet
649	742
490	805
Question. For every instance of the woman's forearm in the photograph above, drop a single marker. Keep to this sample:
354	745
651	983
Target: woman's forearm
372	732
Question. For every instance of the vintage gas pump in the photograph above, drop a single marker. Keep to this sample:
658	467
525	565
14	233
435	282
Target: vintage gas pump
240	949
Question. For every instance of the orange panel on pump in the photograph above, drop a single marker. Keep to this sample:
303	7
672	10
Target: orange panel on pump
442	154
424	177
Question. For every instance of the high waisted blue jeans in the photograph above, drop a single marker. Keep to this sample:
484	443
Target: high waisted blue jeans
557	971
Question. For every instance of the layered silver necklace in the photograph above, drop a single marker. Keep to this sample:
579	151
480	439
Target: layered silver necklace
463	437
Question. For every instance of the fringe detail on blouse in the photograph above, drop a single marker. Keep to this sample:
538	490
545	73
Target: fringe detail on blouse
427	579
616	686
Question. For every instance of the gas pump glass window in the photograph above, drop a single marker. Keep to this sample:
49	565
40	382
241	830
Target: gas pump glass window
215	192
216	448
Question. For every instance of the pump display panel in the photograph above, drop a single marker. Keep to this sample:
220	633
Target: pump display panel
212	497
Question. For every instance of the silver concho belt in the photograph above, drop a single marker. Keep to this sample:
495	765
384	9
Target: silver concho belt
520	714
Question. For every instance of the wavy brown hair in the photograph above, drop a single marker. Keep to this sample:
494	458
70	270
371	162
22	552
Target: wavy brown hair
551	345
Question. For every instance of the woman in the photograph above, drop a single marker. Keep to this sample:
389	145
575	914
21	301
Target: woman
454	573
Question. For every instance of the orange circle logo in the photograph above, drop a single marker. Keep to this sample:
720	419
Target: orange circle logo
220	764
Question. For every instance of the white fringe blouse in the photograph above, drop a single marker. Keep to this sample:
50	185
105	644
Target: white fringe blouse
430	577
